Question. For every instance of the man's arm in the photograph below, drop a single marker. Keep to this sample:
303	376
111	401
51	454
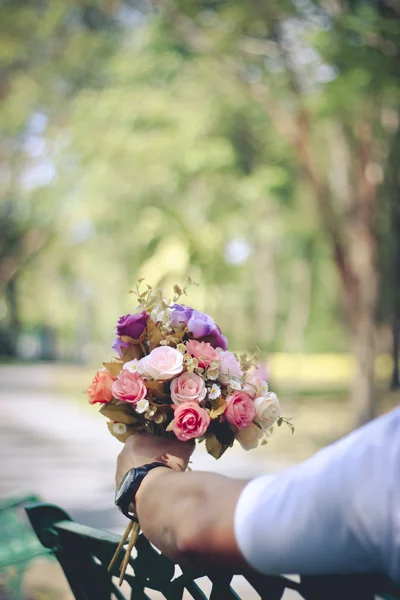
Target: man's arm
338	512
190	516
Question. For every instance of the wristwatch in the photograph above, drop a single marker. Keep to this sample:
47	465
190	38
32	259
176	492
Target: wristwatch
127	489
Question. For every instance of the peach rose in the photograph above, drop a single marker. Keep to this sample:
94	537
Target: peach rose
203	351
190	421
229	367
100	388
162	363
240	410
129	387
188	387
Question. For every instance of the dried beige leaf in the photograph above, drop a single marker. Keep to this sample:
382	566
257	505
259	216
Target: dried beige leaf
122	413
219	410
113	367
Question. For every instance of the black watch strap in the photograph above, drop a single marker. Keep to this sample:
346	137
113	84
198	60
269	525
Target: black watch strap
135	477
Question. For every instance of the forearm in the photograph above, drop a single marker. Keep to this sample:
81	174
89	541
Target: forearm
190	516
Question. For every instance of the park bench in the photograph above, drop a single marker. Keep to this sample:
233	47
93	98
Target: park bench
84	554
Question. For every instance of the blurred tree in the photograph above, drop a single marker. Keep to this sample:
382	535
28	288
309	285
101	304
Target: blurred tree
250	145
49	51
203	169
327	77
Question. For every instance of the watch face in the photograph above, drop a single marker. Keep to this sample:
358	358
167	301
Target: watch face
124	485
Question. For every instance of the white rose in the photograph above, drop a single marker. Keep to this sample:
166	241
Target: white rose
162	363
267	410
248	438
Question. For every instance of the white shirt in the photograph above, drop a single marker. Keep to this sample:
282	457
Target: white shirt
338	512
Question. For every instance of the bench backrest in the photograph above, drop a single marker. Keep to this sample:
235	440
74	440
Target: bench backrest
84	554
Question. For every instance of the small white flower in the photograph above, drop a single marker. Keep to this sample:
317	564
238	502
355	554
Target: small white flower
119	428
214	392
235	385
142	406
212	373
132	366
264	388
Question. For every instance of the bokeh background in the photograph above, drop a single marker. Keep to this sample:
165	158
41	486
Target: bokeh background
253	146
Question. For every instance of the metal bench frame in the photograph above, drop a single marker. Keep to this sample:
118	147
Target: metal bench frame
84	554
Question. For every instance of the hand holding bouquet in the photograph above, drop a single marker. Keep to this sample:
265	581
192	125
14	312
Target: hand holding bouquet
175	377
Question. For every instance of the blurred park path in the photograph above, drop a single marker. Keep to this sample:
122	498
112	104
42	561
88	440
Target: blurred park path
55	445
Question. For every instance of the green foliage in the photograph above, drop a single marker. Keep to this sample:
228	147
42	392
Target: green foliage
169	144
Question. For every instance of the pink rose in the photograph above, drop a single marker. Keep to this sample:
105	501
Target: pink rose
240	410
162	363
188	387
190	421
129	387
100	388
203	351
229	367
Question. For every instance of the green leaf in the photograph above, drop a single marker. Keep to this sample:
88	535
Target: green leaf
214	446
287	422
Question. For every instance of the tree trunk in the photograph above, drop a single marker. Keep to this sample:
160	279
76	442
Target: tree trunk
13	311
351	232
363	392
362	306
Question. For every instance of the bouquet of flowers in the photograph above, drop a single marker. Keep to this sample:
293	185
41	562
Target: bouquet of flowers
174	376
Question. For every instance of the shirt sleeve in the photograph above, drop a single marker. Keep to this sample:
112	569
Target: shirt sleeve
338	512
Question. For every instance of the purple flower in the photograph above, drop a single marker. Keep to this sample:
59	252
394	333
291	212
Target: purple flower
118	346
132	325
218	340
180	315
202	325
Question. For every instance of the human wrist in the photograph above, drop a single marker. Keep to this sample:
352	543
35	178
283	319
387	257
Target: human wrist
148	481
